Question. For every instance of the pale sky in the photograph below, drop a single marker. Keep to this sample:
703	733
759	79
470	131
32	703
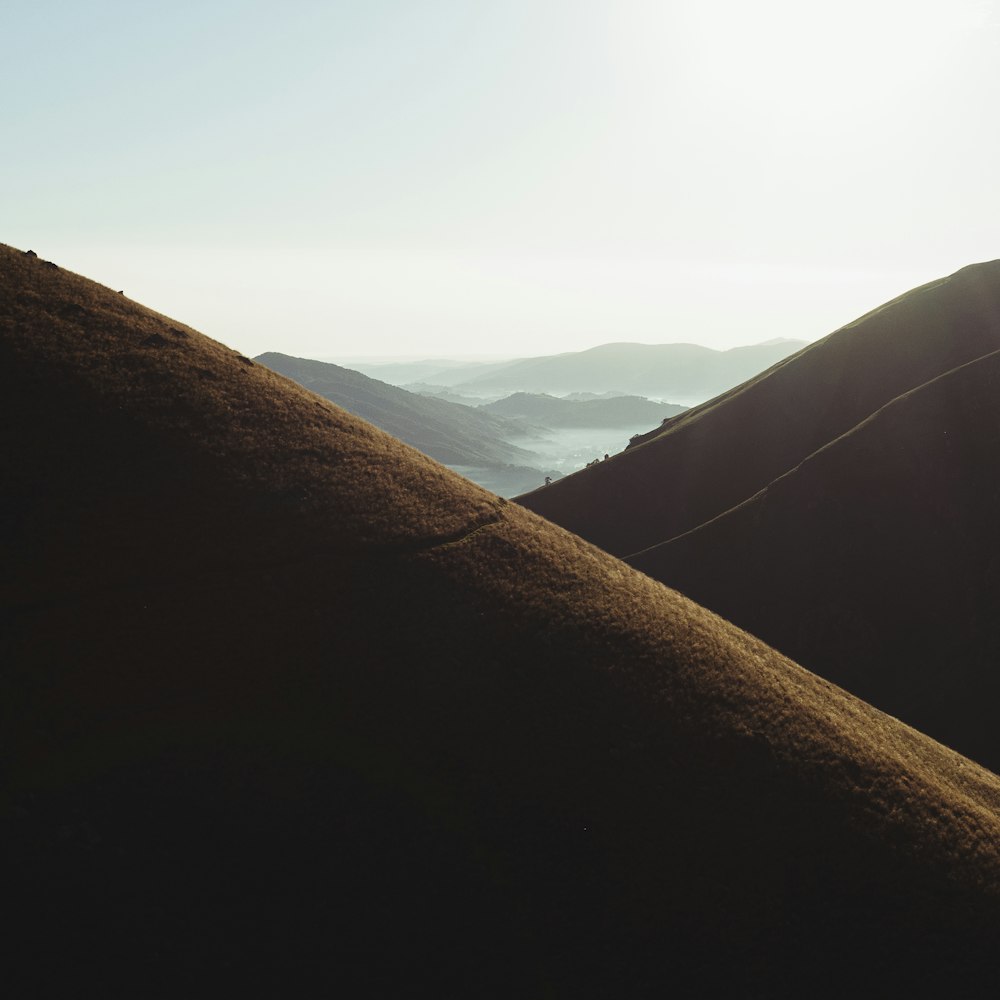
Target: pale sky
502	177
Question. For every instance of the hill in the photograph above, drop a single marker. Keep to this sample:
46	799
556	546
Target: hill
289	708
663	371
875	561
450	432
550	411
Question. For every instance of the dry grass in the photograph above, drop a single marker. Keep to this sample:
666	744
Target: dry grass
287	706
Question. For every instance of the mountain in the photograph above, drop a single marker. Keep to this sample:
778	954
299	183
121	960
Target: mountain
841	507
664	371
449	432
288	708
550	411
583	397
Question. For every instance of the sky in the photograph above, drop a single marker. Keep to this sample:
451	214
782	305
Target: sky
464	178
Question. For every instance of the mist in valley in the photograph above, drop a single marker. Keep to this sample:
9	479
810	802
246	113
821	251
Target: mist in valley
559	452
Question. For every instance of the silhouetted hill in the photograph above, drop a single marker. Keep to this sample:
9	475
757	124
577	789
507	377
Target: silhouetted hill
289	709
876	561
718	454
550	411
664	371
450	432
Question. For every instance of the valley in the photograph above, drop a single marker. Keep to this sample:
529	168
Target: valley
497	424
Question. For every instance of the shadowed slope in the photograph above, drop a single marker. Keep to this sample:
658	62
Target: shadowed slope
287	706
877	560
717	455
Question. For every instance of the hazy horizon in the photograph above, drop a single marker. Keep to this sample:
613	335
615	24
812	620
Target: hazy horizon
447	179
373	359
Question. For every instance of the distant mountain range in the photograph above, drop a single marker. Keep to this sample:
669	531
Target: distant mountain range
659	371
478	441
662	371
440	372
289	709
841	506
451	433
521	435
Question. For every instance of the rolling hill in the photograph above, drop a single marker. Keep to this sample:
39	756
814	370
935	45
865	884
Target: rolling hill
551	411
290	709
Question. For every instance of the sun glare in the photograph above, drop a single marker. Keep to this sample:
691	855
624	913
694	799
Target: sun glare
789	62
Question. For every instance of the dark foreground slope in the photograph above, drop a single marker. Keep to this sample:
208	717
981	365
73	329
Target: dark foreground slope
288	709
877	560
719	454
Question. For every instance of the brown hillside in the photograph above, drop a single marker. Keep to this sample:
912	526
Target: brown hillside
877	560
717	455
288	709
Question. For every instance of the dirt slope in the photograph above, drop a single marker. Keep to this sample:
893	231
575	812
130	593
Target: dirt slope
719	454
288	709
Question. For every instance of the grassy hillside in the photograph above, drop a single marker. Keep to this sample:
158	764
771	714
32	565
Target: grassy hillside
717	455
289	709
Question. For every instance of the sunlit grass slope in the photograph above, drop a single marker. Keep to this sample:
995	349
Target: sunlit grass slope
717	455
288	709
